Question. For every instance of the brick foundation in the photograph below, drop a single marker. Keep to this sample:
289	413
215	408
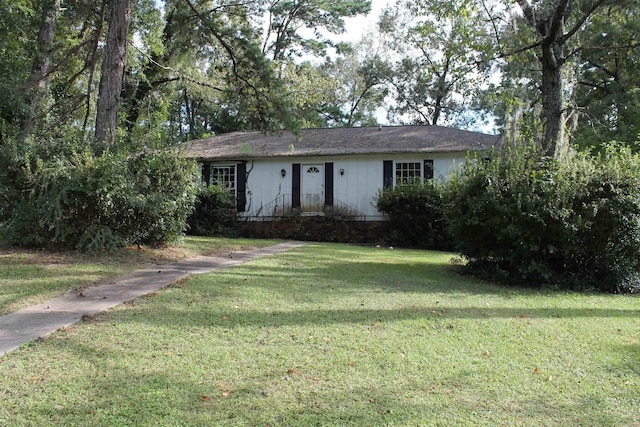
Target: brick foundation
315	228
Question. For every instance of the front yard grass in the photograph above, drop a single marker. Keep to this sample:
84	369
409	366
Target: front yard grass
333	335
32	277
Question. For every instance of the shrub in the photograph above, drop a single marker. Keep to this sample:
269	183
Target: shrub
215	212
606	249
416	217
76	200
533	220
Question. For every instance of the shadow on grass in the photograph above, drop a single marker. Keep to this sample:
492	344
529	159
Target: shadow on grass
162	316
307	290
351	276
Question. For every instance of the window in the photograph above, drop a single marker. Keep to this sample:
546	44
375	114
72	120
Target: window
224	176
313	169
407	172
403	173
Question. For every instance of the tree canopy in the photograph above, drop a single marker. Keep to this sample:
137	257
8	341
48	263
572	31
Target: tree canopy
556	72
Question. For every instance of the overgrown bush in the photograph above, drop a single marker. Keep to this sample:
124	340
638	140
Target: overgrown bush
416	216
531	220
74	199
215	212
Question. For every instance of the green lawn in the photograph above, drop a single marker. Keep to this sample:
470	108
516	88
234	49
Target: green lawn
32	277
329	335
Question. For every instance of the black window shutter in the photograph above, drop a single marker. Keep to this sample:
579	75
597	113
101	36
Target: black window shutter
328	184
206	173
428	169
241	187
295	186
387	174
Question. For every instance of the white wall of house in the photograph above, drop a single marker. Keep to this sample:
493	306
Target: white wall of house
265	183
356	180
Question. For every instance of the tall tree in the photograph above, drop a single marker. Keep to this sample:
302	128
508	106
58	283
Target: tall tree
555	22
113	67
442	49
565	59
360	75
43	63
206	74
549	30
285	18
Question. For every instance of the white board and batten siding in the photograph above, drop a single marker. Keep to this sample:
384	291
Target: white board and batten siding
356	182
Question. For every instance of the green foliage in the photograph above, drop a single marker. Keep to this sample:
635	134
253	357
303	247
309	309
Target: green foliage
574	222
17	37
441	52
609	75
73	199
215	212
283	40
416	215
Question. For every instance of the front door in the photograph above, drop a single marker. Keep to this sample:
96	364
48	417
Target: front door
312	196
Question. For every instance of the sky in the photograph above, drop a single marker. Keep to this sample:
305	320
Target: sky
359	25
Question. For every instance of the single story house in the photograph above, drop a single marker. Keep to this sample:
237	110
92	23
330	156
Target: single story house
330	171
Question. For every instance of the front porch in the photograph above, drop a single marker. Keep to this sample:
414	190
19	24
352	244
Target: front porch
305	205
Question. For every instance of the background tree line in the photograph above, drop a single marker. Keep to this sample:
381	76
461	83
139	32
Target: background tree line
156	73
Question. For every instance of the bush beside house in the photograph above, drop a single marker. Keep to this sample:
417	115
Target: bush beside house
214	213
66	197
416	216
529	220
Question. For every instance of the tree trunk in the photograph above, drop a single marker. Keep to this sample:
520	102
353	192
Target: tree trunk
112	71
93	64
42	64
552	97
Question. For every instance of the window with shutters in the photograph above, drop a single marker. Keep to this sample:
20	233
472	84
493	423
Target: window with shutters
224	175
408	172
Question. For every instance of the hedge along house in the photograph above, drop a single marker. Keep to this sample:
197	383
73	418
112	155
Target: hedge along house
329	172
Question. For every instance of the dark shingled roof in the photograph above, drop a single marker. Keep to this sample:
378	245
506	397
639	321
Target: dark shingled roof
340	141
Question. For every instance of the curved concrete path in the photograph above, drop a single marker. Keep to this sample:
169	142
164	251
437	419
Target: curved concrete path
40	320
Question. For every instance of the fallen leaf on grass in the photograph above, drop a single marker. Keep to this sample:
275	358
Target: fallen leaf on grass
536	371
205	398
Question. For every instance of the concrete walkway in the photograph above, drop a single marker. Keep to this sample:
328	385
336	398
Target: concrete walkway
41	320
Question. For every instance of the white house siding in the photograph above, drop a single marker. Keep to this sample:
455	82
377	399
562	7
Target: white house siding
265	183
356	188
